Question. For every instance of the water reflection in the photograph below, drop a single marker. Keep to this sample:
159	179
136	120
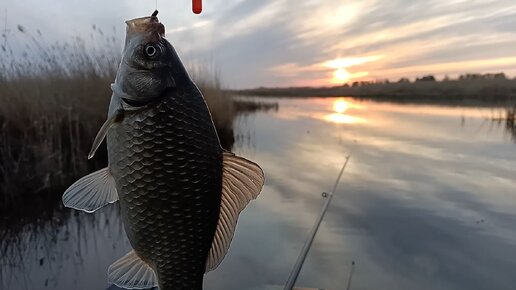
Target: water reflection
407	210
509	121
340	106
407	213
58	248
340	118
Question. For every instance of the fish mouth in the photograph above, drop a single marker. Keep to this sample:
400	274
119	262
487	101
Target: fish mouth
147	25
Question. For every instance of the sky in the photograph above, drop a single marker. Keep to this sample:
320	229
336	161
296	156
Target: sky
281	43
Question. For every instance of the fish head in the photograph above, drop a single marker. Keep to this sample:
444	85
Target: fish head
149	63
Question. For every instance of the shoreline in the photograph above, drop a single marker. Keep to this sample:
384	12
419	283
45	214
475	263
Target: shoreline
456	92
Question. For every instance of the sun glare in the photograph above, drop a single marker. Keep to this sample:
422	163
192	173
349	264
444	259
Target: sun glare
340	106
341	75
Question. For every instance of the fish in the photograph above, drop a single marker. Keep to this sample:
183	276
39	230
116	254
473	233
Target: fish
180	193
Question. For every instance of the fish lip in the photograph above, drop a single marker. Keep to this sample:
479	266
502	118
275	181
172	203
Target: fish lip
148	24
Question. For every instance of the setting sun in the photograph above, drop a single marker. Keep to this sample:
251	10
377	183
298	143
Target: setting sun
341	75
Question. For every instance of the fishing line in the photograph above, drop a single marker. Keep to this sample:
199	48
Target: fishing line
292	278
351	275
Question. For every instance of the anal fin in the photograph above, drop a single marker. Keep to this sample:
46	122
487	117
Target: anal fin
242	181
91	192
131	272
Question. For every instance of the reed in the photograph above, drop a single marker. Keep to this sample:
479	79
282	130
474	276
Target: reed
53	103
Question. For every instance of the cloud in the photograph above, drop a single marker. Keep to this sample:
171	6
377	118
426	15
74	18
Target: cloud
351	61
250	40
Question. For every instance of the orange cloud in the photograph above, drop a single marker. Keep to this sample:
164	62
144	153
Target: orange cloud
350	61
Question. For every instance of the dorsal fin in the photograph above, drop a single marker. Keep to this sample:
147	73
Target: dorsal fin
242	181
131	272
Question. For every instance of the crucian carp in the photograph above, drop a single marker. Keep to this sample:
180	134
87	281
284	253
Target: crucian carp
180	193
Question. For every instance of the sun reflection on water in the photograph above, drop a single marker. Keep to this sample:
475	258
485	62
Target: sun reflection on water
340	107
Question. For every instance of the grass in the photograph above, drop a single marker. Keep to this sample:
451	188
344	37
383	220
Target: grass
508	122
449	92
53	104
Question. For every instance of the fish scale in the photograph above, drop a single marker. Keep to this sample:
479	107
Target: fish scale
169	179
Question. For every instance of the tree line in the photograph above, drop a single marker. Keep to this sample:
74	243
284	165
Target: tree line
431	78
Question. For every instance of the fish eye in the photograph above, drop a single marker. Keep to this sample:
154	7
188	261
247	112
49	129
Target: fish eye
151	50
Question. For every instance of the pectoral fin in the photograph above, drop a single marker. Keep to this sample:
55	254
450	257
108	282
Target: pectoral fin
91	192
242	181
131	272
117	117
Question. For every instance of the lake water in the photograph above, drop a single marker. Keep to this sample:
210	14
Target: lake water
427	201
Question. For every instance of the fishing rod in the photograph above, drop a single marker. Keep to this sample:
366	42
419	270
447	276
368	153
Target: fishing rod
292	278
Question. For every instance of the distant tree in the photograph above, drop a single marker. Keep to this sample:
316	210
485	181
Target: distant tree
428	78
404	80
446	78
381	81
496	76
346	85
500	76
470	77
355	84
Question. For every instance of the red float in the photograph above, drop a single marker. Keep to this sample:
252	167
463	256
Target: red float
197	6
